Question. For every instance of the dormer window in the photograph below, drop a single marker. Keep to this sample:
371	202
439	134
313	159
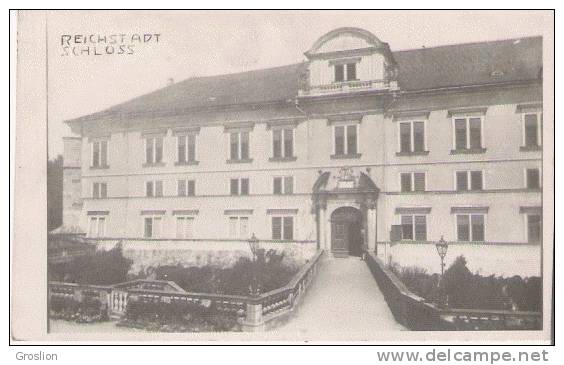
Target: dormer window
345	72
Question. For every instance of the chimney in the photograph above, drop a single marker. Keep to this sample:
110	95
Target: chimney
170	81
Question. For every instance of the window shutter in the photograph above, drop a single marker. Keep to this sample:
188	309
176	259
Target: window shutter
277	185
288	185
419	181
276	228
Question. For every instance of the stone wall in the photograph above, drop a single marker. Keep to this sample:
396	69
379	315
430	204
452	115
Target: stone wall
149	254
483	258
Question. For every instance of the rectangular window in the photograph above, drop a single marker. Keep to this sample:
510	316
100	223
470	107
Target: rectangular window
288	142
469	180
239	145
186	187
460	134
463	227
412	181
351	71
191	187
405	137
282	143
181	187
414	227
186	148
476	180
99	154
153	150
154	188
419	181
339	140
533	179
239	186
244	184
470	227
184	227
238	227
277	143
406	182
283	228
351	140
461	180
283	185
234	142
288	228
152	227
244	137
418	136
468	133
407	227
158	188
532	129
339	73
412	136
346	139
534	228
97	226
234	187
475	132
99	190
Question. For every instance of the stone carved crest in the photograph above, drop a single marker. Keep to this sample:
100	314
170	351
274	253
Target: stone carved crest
346	178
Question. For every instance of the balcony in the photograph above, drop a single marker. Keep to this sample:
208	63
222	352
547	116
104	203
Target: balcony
347	87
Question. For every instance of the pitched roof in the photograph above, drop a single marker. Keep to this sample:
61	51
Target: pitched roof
419	69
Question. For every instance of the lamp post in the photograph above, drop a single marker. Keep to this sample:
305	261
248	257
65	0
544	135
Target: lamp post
254	246
442	248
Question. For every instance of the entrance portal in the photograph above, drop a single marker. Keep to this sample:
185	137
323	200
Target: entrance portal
346	232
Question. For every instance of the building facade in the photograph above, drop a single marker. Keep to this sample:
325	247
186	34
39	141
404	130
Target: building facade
357	145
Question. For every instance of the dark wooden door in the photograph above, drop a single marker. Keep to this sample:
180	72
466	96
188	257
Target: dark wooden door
345	232
340	235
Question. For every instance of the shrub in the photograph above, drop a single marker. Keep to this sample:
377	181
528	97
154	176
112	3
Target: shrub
177	317
97	268
272	272
473	291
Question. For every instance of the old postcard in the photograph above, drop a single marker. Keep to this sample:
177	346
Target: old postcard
363	176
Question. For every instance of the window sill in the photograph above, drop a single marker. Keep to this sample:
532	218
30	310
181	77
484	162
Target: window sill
414	153
413	192
342	157
530	148
246	160
282	159
186	163
156	164
104	167
154	196
534	189
468	151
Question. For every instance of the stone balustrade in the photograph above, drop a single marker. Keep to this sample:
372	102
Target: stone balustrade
253	312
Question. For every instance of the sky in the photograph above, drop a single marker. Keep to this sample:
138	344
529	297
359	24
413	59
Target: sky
198	43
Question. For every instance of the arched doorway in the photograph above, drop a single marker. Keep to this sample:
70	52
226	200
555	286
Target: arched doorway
346	232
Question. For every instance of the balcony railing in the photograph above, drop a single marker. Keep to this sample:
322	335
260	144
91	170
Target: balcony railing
345	87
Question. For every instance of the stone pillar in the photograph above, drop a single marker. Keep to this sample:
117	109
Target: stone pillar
322	223
371	228
253	321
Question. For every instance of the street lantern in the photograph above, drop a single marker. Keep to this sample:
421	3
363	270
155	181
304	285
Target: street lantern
254	246
442	248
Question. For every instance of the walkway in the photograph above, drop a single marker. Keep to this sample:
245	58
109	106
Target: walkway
342	301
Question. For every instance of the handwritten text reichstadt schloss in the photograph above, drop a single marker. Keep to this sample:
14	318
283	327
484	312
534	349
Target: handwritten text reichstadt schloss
105	44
